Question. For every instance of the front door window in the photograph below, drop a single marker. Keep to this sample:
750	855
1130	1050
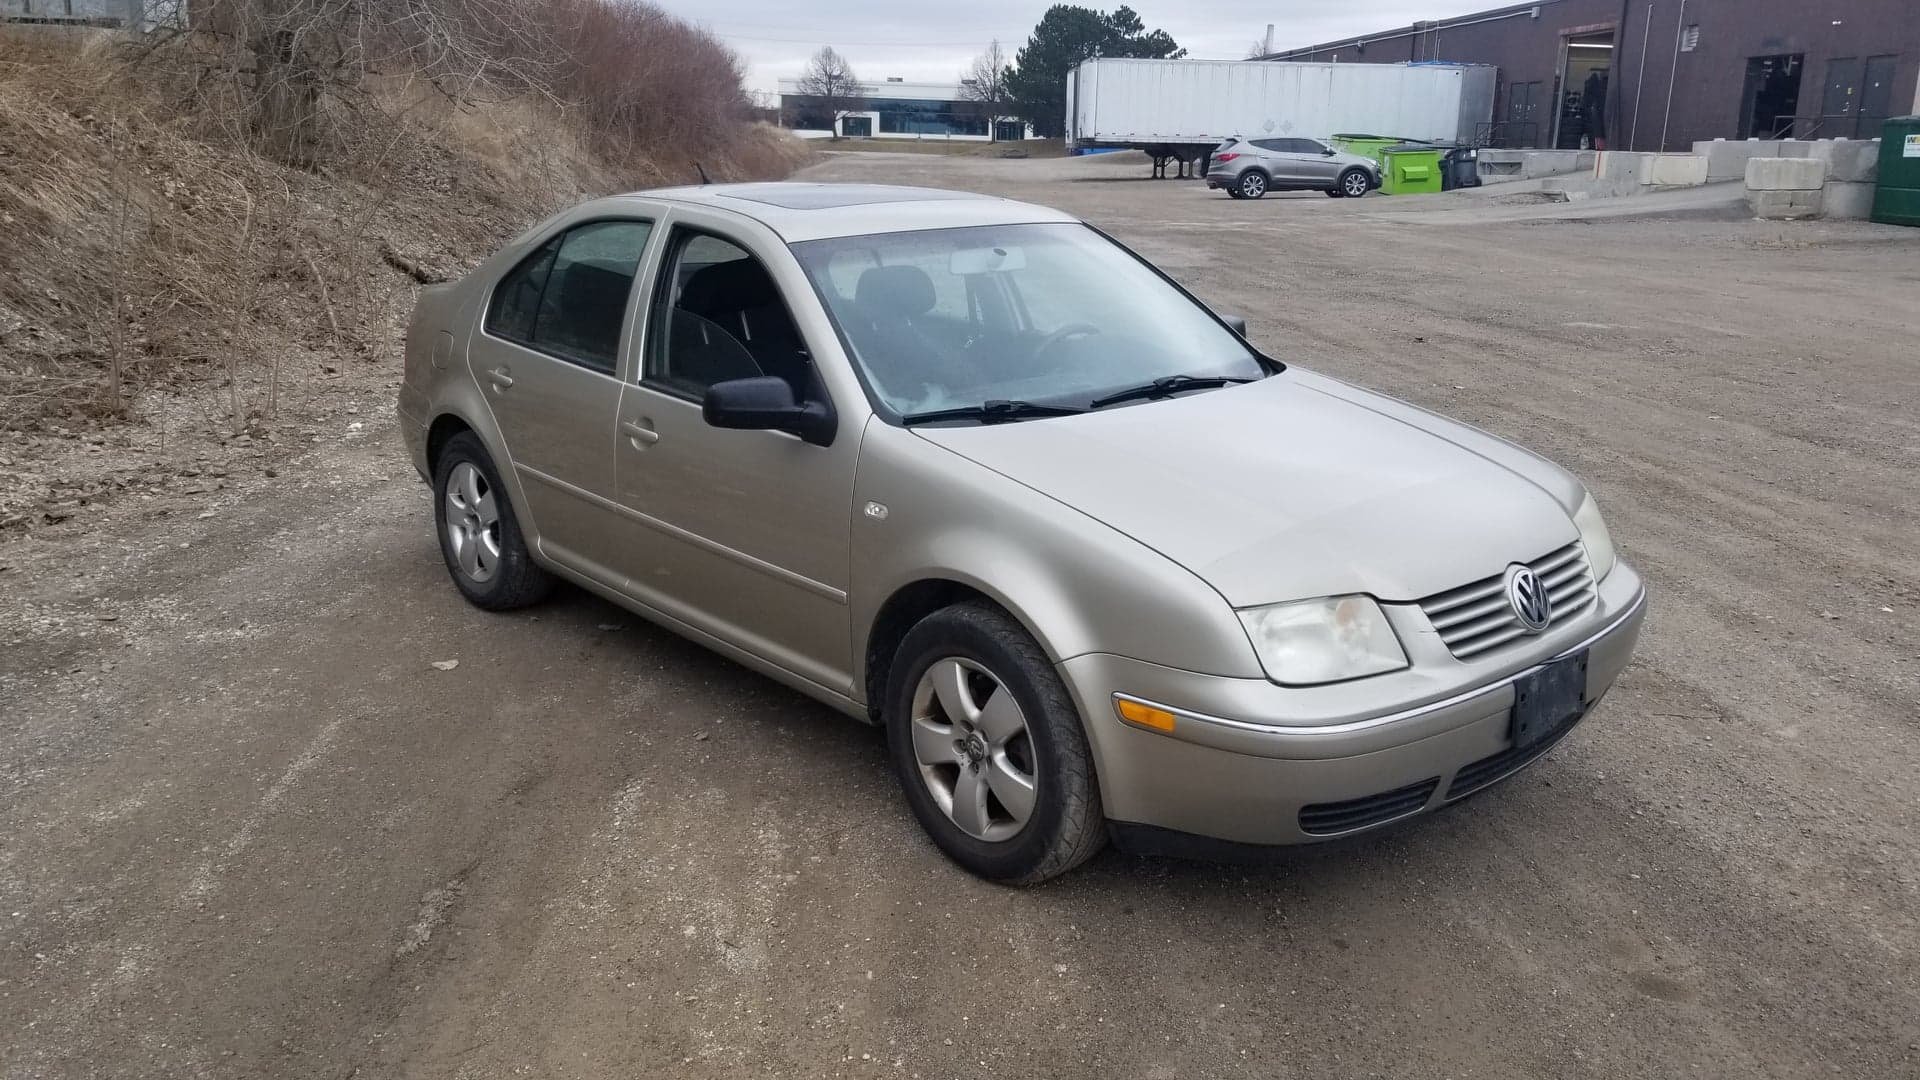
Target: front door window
720	316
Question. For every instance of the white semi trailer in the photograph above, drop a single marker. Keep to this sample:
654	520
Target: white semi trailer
1182	109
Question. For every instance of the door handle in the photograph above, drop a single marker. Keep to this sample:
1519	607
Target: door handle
639	433
501	380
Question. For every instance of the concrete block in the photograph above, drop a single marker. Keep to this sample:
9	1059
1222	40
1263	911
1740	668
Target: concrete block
1656	170
1786	174
1785	205
1501	166
1619	165
1675	170
1728	160
1852	161
1848	201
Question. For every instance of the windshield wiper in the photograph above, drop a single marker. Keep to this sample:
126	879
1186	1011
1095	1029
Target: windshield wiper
992	412
1169	385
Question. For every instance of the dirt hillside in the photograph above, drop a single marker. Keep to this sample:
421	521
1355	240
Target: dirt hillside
176	307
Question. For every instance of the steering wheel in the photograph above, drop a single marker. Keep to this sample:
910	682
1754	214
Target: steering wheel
1065	334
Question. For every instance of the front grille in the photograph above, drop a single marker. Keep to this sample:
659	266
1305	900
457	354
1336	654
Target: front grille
1475	618
1326	819
1473	777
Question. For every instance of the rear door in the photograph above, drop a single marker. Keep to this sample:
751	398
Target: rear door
546	355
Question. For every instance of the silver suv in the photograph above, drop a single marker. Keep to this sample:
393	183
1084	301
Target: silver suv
1249	168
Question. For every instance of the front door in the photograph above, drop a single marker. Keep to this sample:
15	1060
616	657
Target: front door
1316	162
744	535
546	357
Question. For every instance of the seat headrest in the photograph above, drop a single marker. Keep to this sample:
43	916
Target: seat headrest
895	290
734	285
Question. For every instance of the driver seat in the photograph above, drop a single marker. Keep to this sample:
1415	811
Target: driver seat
892	299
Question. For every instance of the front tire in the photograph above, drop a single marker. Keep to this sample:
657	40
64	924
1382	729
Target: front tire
1252	184
480	537
989	748
1355	183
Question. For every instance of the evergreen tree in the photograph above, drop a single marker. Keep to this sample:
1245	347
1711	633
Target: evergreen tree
1066	35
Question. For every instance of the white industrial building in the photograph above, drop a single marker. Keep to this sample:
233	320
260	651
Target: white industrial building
898	109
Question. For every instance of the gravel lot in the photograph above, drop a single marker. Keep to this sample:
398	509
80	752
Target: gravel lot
248	829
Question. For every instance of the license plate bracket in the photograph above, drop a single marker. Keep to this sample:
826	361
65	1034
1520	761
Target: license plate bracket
1549	700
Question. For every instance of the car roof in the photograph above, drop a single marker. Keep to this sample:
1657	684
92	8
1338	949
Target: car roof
813	211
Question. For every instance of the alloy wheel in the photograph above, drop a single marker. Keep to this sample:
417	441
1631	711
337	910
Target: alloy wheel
1253	185
973	748
473	522
1356	185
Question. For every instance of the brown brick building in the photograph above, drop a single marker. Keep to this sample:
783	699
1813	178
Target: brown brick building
1661	74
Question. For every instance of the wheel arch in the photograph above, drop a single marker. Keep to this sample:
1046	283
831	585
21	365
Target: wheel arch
902	610
444	427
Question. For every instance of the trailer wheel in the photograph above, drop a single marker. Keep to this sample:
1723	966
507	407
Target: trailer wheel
1251	185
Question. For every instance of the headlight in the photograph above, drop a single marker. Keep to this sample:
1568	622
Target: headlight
1323	641
1594	534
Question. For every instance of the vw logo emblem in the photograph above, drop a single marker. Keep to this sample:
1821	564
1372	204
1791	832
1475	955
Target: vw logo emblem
1528	598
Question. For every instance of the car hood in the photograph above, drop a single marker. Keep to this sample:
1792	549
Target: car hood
1296	486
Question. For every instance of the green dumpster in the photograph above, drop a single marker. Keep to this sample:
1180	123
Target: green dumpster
1410	170
1365	145
1897	200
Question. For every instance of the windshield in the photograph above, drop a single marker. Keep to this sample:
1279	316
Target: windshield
1048	314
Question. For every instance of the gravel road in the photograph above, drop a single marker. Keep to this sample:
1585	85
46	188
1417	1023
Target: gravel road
248	829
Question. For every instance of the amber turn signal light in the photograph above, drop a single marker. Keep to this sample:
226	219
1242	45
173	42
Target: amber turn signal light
1146	716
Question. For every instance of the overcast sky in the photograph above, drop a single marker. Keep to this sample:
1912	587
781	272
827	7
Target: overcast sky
935	39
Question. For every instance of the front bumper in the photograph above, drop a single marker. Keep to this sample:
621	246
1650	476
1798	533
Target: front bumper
1241	767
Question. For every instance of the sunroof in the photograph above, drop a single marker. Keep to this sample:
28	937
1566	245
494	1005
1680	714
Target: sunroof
828	196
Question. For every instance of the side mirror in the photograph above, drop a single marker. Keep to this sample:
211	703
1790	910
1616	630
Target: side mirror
1236	323
1326	151
765	403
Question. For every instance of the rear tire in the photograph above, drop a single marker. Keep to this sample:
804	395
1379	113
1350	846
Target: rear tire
1252	184
1355	183
1335	193
989	748
1233	192
480	536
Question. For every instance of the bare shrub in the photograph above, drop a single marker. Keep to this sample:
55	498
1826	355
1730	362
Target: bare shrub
188	209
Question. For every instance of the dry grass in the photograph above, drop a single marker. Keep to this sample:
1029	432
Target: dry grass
145	242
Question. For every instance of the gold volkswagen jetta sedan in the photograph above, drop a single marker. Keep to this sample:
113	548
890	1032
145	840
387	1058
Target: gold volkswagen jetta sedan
971	470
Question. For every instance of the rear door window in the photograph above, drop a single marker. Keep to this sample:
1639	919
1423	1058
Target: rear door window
569	298
516	300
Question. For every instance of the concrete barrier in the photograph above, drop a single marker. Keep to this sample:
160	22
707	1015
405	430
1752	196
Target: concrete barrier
1850	161
1848	201
1786	174
1621	169
1728	160
1502	166
1785	189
